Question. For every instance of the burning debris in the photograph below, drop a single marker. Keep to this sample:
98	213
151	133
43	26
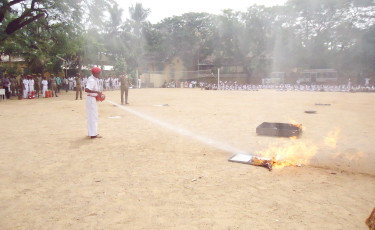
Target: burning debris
262	162
265	162
294	152
253	160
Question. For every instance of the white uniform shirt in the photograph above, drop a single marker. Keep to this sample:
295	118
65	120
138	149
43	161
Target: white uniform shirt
92	84
25	82
45	83
31	83
84	81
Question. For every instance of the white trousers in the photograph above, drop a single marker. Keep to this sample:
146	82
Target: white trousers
45	88
31	88
25	91
92	116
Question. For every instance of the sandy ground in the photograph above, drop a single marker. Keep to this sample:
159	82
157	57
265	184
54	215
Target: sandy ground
166	167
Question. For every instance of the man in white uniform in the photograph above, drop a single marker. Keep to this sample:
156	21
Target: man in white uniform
31	84
44	86
25	83
139	82
92	90
71	83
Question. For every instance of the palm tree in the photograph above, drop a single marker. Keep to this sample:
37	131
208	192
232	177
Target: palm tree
138	14
115	22
134	31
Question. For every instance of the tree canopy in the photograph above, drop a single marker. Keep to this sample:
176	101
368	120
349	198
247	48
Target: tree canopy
301	34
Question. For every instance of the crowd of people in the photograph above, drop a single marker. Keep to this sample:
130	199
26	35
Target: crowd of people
35	86
30	86
289	87
183	84
229	85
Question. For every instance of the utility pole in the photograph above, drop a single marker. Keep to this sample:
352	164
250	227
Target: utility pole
218	78
198	60
66	65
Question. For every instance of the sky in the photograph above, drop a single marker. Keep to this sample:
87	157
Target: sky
161	9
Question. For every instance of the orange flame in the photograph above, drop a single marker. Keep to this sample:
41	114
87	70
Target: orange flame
350	156
296	124
291	154
332	137
354	157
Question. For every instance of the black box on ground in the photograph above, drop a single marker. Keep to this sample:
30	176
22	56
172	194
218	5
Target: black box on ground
279	129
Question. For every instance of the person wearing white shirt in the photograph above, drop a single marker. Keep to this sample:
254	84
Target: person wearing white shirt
71	83
66	84
25	83
107	84
44	86
84	81
74	84
139	82
92	90
31	85
367	81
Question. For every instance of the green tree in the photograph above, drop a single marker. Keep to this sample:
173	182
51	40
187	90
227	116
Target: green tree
16	14
133	36
189	36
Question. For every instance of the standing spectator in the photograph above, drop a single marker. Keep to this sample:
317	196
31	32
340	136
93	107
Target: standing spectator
37	86
110	79
78	86
58	81
54	86
101	82
31	86
45	86
13	85
6	84
20	88
139	82
71	83
25	83
107	84
125	83
66	84
84	81
367	82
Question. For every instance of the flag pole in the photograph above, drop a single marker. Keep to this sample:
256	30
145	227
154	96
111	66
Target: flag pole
218	78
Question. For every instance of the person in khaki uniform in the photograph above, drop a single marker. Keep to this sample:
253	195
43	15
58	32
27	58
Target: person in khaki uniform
54	86
78	85
20	87
37	85
125	83
13	85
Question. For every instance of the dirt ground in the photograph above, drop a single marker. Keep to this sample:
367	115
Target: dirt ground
166	167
